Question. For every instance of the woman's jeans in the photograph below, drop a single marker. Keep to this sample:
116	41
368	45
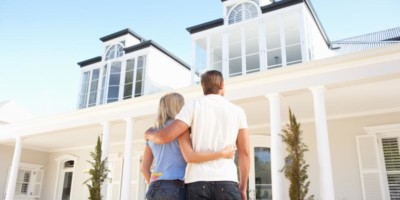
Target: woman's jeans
166	190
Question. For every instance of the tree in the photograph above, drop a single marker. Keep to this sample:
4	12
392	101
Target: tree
98	173
296	167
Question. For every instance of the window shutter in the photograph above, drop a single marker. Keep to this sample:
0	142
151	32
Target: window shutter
5	188
38	183
370	168
392	162
115	167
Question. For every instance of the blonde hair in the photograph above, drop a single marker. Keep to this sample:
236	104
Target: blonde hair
169	107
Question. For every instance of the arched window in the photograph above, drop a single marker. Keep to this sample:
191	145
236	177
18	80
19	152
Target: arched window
242	12
115	51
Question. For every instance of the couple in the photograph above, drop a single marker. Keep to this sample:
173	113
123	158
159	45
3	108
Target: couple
203	134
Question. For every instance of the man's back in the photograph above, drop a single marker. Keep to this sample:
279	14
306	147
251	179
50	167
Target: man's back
215	123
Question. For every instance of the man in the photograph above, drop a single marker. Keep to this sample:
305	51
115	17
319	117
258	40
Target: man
215	123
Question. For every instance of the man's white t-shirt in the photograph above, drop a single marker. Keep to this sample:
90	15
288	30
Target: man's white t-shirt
214	123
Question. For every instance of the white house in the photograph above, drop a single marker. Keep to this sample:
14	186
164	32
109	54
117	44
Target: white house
274	55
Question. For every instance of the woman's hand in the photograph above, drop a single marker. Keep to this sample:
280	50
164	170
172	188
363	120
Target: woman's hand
229	152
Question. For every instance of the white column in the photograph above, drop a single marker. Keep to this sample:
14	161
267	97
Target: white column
127	168
323	150
105	140
12	181
277	156
105	144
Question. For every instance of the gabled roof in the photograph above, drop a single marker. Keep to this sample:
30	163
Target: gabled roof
149	43
368	41
121	33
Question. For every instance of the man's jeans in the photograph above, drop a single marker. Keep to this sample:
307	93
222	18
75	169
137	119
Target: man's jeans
166	190
213	190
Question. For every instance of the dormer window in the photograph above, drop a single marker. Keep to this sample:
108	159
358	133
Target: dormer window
242	12
115	51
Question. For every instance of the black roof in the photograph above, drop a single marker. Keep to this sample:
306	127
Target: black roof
205	26
149	43
89	61
142	45
121	33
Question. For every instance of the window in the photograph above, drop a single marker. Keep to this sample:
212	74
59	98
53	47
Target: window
114	81
235	52
139	76
242	12
379	162
134	77
84	90
115	51
89	86
29	182
273	40
292	39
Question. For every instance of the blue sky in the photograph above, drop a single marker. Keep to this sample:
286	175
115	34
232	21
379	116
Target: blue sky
41	41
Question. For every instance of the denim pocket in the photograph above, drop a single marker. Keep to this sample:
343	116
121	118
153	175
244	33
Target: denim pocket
229	191
164	193
199	190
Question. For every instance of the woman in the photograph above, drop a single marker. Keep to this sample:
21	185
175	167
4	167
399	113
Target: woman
166	180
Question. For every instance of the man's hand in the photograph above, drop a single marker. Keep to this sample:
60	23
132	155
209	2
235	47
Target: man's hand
148	133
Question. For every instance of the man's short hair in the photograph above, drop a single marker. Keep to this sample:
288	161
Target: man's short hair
211	82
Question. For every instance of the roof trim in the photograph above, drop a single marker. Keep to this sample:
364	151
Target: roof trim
205	26
121	33
318	21
278	5
149	43
89	61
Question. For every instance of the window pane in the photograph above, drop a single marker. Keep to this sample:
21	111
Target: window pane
273	34
138	89
252	48
293	54
92	99
128	91
292	34
84	89
262	168
130	64
141	62
139	75
103	85
113	92
200	55
235	52
216	52
115	68
253	63
235	67
274	58
114	79
66	189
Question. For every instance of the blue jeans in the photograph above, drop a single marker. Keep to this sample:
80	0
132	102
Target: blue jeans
213	190
166	190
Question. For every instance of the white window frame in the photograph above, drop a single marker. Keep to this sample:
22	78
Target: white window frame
382	132
32	183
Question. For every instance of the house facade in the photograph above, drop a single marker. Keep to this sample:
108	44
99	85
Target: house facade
274	56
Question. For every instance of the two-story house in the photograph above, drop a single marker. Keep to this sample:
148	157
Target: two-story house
274	55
